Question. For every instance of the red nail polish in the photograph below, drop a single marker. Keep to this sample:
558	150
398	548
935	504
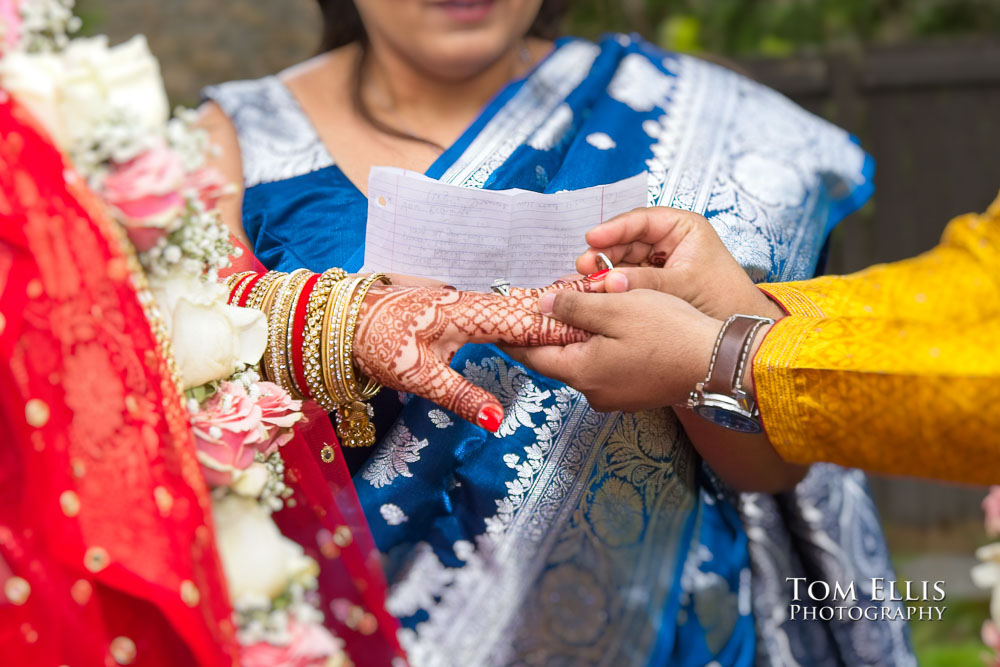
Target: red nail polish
600	274
490	418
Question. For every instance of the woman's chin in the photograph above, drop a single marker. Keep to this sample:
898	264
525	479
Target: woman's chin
460	57
436	42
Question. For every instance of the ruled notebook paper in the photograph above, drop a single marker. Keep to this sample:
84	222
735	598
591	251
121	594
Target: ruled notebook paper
469	237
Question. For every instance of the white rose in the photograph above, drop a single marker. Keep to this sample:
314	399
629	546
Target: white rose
131	78
251	481
209	338
35	79
70	91
258	560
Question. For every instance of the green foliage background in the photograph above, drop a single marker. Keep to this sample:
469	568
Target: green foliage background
785	27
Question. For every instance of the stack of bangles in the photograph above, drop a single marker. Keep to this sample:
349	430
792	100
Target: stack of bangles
311	320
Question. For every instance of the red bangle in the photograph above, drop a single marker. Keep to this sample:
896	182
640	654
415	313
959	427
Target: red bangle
249	289
298	334
236	286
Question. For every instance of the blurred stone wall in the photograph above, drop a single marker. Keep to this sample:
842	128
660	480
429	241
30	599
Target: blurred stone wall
200	42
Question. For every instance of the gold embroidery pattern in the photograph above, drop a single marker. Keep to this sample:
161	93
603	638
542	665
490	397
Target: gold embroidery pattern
637	499
794	301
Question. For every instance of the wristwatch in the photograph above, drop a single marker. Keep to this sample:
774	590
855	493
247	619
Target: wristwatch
720	398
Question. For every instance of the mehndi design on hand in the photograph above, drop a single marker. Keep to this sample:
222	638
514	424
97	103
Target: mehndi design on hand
406	337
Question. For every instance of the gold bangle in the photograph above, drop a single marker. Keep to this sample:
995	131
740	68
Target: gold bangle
353	423
267	297
257	300
233	278
278	317
331	368
261	289
236	296
357	386
343	373
328	343
313	334
277	283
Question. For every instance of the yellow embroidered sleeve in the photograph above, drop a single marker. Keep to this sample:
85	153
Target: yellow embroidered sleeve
896	368
907	398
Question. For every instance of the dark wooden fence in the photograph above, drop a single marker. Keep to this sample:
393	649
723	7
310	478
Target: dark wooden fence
930	115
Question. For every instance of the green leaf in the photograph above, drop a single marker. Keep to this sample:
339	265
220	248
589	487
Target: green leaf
681	33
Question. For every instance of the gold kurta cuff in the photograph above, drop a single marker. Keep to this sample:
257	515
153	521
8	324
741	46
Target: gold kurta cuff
778	393
791	299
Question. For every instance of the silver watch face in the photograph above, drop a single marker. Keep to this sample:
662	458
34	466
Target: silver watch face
728	419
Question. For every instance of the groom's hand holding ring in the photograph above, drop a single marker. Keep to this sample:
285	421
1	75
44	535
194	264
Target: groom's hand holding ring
676	252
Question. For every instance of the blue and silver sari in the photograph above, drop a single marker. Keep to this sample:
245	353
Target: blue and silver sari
572	537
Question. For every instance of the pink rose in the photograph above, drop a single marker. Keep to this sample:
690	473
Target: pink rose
10	17
991	507
279	412
146	190
208	184
228	432
311	644
990	635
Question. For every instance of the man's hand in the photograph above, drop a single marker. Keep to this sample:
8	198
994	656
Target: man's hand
676	252
649	349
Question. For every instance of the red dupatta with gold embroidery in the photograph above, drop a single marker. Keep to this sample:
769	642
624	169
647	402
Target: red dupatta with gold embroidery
107	554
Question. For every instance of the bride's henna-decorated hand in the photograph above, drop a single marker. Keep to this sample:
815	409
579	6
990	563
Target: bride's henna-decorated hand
406	337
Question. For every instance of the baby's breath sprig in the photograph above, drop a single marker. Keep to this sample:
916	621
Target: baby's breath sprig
188	139
116	138
46	25
199	245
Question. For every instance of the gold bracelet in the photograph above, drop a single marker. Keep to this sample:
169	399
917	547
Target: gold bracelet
256	299
331	369
313	334
236	296
261	288
328	343
233	278
357	387
353	419
278	326
265	297
342	371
